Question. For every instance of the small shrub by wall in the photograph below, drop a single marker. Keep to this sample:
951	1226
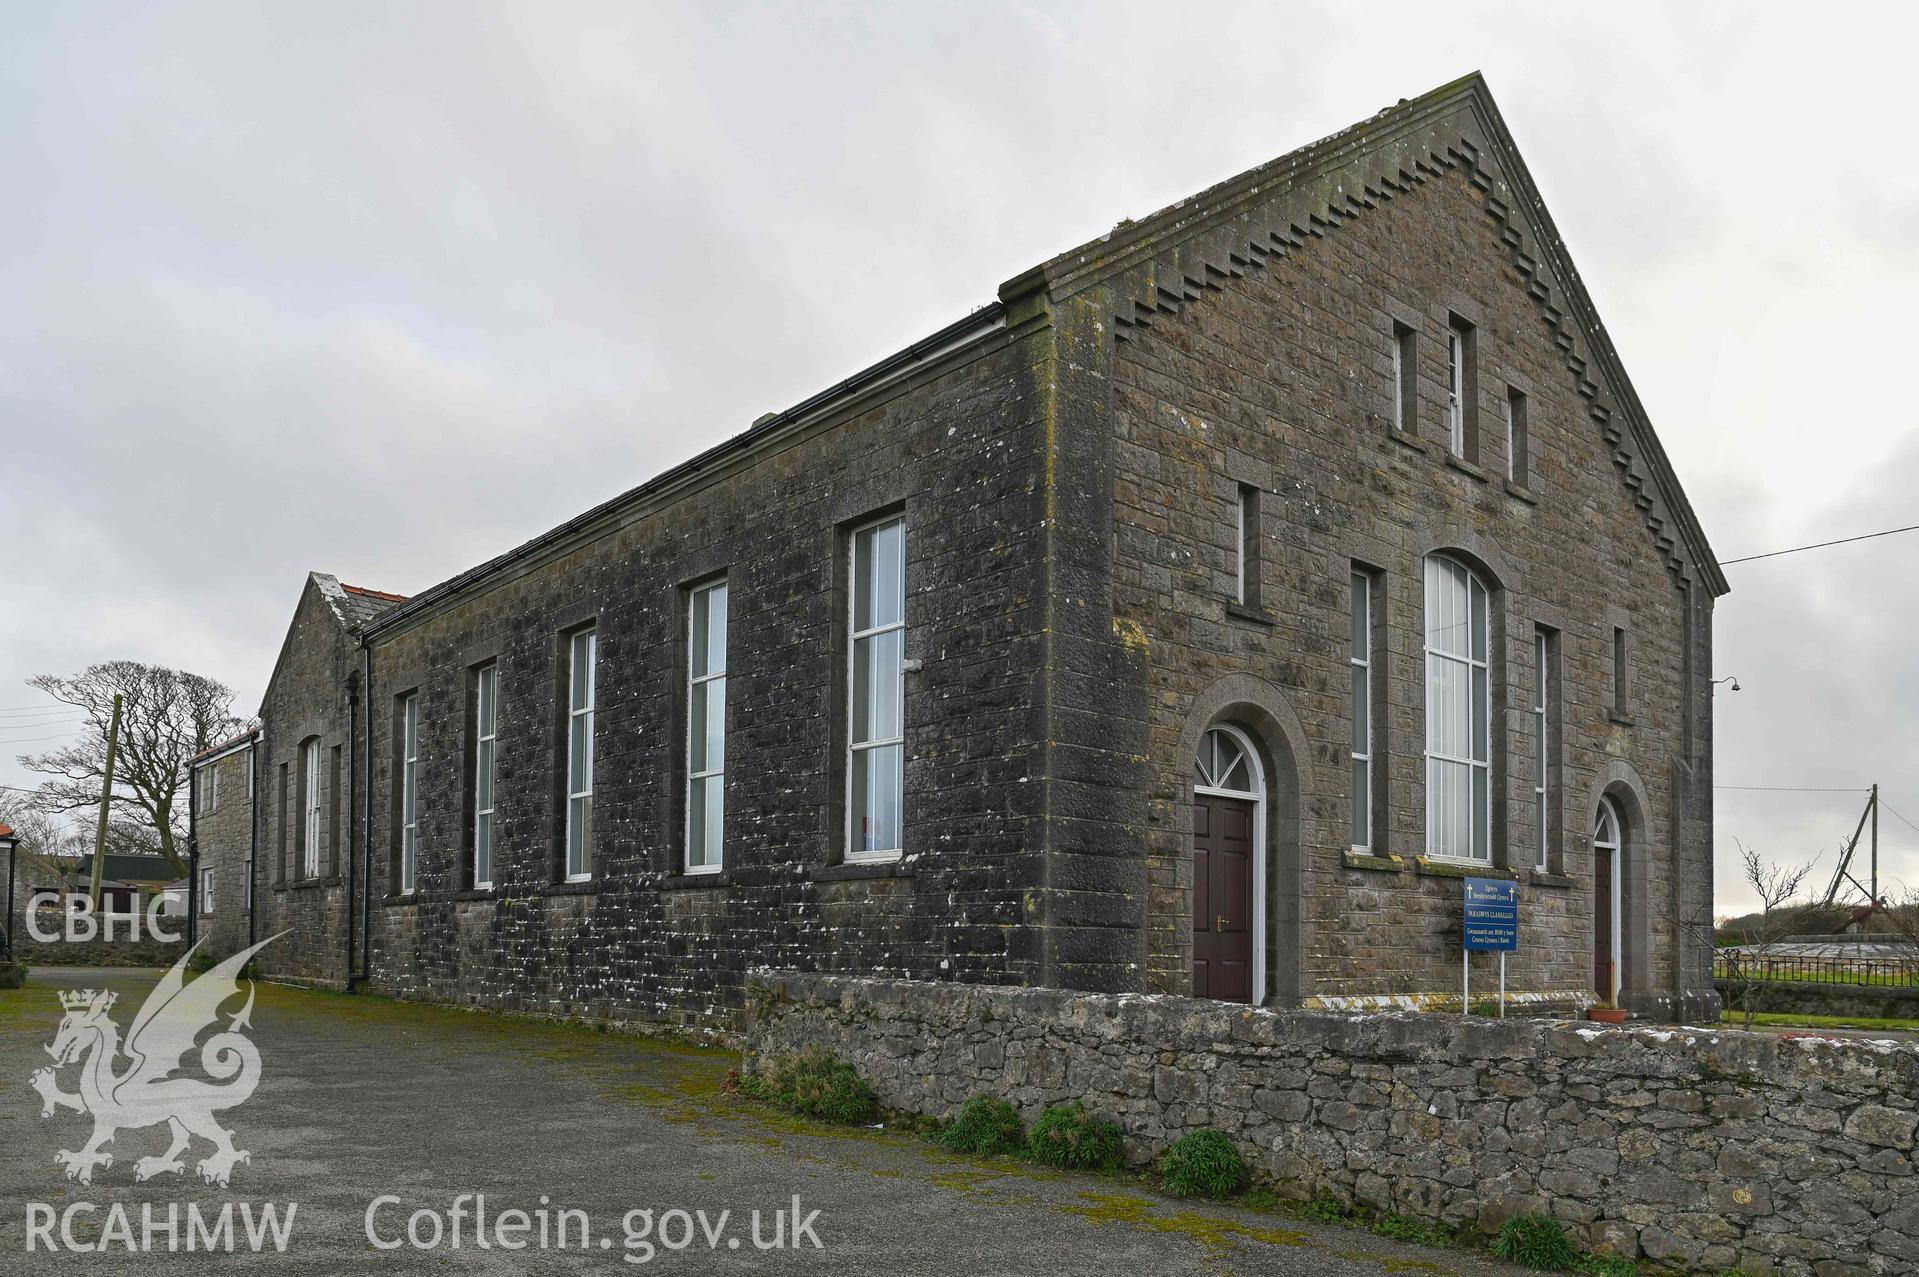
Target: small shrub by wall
1709	1150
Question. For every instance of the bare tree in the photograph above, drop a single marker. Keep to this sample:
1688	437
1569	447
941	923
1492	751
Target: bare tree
1777	886
167	716
1902	915
48	848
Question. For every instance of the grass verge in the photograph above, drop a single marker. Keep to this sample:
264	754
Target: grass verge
1773	1020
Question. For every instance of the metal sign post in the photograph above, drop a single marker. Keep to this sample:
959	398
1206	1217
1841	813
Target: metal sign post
1491	924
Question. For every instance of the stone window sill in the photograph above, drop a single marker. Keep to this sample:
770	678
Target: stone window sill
1466	467
403	898
1618	719
1460	869
858	870
1381	864
1258	616
590	887
695	882
477	893
1540	878
308	884
1520	492
1405	440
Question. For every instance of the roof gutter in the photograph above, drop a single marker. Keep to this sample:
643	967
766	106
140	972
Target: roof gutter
233	746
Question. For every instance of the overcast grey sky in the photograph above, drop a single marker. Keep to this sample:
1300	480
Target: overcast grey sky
383	290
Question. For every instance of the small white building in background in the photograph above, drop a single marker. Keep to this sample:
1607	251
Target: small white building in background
173	899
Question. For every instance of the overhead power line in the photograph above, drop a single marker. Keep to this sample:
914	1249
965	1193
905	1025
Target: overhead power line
29	740
1799	789
1902	820
1818	545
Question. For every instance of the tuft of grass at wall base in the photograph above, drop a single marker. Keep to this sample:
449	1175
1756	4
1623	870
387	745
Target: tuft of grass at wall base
813	1084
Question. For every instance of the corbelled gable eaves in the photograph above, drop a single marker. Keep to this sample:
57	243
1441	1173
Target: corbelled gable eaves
1177	255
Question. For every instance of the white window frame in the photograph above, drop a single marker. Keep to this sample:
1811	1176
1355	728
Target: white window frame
206	892
486	733
311	806
697	686
1515	397
1361	662
409	793
1456	389
854	853
1542	756
579	788
1479	811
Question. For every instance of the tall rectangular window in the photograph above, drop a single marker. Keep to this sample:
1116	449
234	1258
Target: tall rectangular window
206	891
582	680
877	739
1544	731
1619	672
1246	548
1405	379
310	809
1361	661
706	730
1518	445
1458	713
409	792
485	734
282	799
1462	426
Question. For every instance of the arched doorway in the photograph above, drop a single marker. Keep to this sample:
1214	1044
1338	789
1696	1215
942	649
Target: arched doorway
1609	845
1229	878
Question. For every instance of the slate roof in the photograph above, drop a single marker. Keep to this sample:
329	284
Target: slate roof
355	605
130	869
1174	256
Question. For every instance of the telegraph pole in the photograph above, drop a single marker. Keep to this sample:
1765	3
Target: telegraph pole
1875	845
106	802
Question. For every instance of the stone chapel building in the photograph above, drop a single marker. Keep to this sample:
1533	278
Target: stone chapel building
1195	619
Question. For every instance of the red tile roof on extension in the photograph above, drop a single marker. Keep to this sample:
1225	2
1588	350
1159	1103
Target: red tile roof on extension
373	594
6	830
224	745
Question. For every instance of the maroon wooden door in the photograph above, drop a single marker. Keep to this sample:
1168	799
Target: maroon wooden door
1602	921
1222	898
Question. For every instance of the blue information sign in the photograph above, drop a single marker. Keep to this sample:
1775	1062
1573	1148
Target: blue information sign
1492	915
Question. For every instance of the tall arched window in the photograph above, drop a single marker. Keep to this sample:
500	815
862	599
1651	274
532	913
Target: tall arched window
1458	713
